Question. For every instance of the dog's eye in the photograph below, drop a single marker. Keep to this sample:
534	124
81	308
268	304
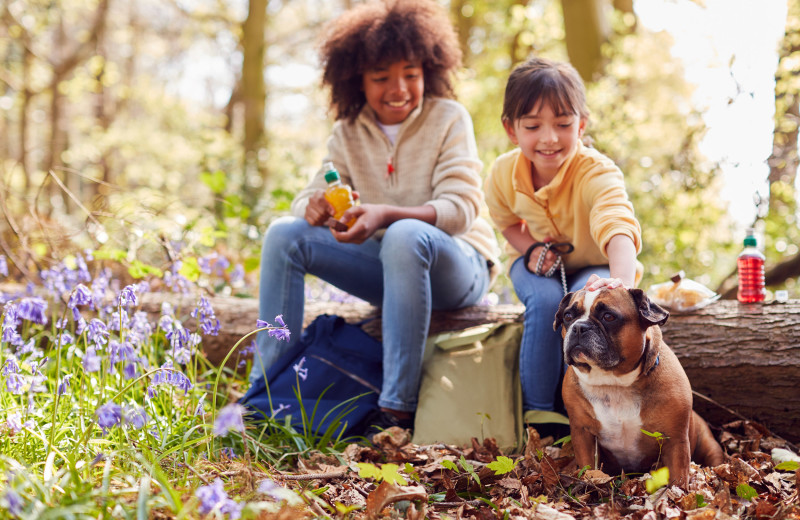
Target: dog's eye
608	317
568	315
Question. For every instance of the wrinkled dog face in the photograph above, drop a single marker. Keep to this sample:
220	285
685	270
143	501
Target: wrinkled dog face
590	326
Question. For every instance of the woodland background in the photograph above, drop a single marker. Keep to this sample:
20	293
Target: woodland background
101	148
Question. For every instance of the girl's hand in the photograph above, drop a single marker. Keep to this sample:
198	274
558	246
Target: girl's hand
549	260
368	219
595	283
318	209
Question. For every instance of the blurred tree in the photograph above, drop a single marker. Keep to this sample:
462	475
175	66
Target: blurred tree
777	218
587	28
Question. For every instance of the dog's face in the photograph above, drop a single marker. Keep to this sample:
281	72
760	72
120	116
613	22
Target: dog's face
608	329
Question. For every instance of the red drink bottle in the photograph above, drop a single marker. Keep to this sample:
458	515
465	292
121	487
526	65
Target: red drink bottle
751	272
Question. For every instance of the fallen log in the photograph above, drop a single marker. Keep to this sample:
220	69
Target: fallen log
744	360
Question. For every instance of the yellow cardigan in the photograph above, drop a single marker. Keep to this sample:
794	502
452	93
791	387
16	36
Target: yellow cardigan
585	204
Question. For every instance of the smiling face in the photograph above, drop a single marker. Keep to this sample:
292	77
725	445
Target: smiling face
393	91
546	139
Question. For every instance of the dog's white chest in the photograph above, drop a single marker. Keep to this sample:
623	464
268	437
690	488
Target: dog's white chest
618	410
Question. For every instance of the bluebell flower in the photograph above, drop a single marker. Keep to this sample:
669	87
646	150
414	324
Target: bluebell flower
33	309
140	328
260	324
237	275
214	498
127	296
227	453
14	503
100	457
81	295
176	281
229	418
301	372
271	489
83	269
97	332
63	385
26	347
3	265
129	371
177	335
136	416
169	376
108	416
200	409
91	361
206	317
279	334
280	409
279	320
182	356
119	320
14	422
10	367
66	338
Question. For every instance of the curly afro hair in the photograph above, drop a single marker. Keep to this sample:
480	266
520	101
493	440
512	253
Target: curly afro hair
381	33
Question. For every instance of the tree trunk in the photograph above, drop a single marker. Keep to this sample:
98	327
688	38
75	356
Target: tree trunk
254	94
745	358
586	31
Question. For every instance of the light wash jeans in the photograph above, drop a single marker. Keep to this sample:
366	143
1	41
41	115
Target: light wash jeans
412	269
540	357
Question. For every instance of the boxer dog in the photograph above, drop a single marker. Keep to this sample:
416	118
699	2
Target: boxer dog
622	379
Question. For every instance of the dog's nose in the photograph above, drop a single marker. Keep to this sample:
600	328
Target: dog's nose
581	327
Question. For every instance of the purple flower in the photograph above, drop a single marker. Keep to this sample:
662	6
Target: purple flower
91	361
15	384
3	265
270	488
25	348
169	376
13	502
10	366
81	295
229	418
237	275
279	319
127	296
214	498
97	332
301	372
227	453
63	385
279	334
108	416
33	309
205	315
260	324
136	416
14	422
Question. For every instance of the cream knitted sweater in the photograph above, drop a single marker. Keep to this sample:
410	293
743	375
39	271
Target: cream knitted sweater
434	161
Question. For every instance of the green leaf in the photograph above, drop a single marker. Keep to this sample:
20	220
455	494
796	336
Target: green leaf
660	478
788	465
190	269
344	510
746	492
139	269
411	472
216	181
701	501
110	254
449	464
655	435
392	476
367	470
469	469
502	465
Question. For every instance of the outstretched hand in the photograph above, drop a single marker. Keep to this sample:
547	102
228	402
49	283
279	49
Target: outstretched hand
595	283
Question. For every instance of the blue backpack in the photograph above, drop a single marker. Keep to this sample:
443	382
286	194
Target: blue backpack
343	381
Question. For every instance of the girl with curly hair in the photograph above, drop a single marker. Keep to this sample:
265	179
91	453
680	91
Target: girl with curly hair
416	242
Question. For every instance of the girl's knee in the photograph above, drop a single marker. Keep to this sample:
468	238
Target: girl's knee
285	230
404	238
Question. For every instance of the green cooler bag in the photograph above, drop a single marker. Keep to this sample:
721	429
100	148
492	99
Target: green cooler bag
470	387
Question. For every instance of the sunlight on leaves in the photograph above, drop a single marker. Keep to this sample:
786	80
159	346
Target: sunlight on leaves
449	464
502	465
659	478
746	492
788	465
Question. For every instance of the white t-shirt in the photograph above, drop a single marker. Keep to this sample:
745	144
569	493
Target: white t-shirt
390	131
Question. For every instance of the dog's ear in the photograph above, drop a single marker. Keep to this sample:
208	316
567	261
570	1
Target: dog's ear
649	312
560	313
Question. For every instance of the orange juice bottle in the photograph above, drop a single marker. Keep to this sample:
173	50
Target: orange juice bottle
339	195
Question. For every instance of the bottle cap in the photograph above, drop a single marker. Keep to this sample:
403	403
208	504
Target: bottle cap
750	241
331	176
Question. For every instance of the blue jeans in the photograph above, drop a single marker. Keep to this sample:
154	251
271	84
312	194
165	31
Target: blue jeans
413	269
540	357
